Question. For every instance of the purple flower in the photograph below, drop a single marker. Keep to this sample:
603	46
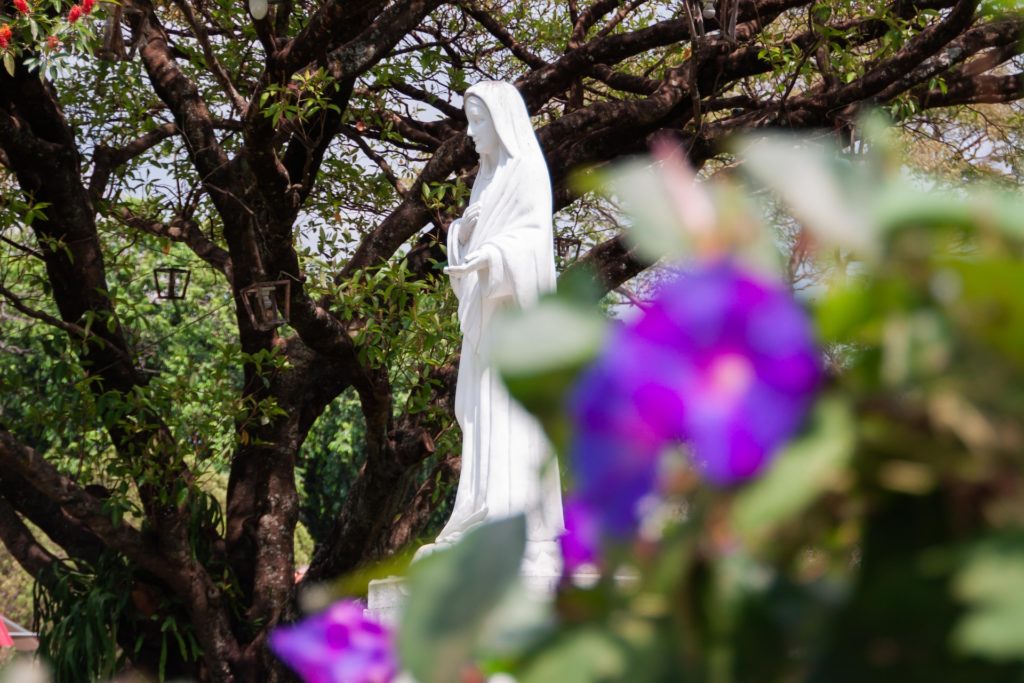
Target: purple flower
338	645
581	540
724	361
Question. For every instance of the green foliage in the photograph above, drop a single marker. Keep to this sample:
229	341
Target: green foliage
398	320
86	608
990	582
81	612
307	94
328	463
808	467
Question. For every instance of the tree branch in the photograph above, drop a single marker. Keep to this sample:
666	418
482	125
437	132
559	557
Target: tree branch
59	526
981	89
75	331
105	159
382	163
181	230
1002	33
212	63
23	546
923	45
590	16
495	28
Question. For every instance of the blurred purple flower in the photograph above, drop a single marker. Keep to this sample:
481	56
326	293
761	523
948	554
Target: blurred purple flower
723	360
581	540
338	645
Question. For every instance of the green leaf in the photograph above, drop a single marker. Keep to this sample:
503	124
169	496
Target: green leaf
992	583
586	656
550	336
9	62
451	594
804	470
540	351
656	228
519	622
817	191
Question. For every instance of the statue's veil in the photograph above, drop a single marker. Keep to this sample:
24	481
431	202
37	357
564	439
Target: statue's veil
511	120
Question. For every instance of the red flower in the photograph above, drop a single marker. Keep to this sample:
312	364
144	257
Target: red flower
74	14
22	6
52	42
87	6
5	35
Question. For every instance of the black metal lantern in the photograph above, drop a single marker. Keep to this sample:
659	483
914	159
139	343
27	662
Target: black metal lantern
260	302
565	245
171	282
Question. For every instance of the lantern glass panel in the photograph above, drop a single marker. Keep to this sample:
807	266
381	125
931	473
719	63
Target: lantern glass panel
260	302
565	246
171	282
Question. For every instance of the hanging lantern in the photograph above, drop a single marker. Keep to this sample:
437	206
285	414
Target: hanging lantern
260	302
171	282
564	245
709	10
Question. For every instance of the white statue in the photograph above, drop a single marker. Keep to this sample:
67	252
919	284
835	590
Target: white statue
501	255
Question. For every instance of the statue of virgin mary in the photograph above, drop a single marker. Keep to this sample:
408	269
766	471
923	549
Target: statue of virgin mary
500	256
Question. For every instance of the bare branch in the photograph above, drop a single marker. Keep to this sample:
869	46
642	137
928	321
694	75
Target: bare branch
382	163
106	159
212	63
181	230
29	251
495	28
74	330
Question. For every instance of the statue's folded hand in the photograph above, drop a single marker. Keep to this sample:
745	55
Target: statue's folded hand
468	222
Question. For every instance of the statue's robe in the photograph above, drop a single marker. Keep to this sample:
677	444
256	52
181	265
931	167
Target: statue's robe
506	462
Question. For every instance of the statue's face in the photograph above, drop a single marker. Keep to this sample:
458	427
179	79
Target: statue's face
481	127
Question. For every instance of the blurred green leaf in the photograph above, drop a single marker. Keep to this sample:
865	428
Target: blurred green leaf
520	621
843	310
451	594
992	583
821	193
540	351
805	469
550	336
584	656
655	230
990	305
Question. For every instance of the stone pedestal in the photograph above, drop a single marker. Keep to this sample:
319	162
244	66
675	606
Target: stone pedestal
385	599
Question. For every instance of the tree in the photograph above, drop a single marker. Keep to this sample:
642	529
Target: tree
322	146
